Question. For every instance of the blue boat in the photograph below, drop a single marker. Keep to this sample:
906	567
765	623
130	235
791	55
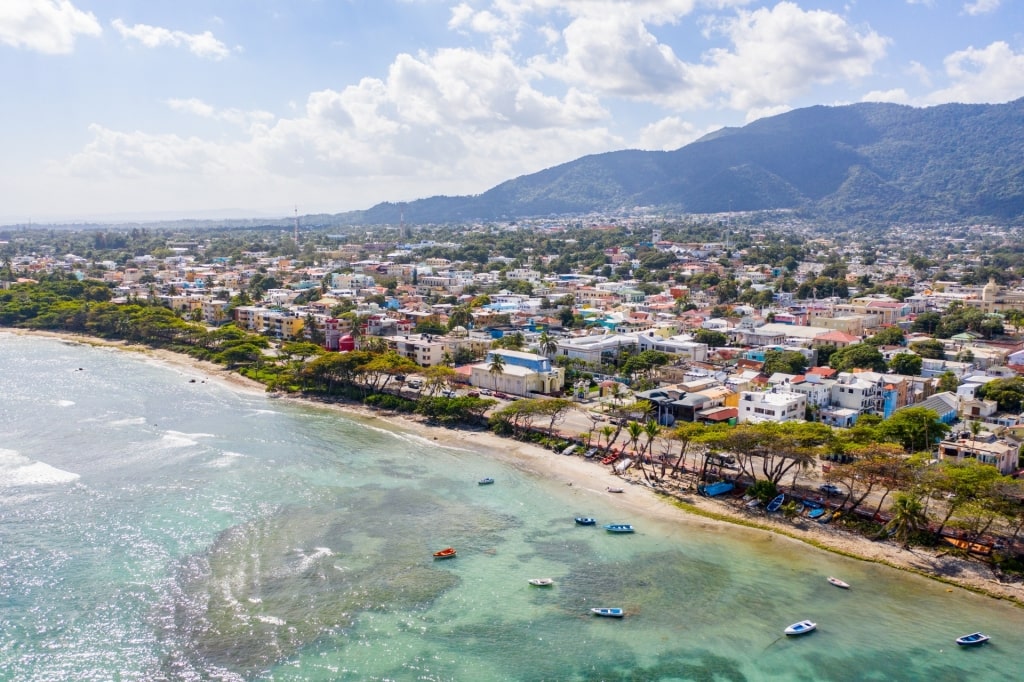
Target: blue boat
972	640
586	520
719	488
776	503
608	612
816	513
619	528
485	481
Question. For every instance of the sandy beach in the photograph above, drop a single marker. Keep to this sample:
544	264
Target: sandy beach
589	477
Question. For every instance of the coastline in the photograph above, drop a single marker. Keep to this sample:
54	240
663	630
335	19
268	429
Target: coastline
684	507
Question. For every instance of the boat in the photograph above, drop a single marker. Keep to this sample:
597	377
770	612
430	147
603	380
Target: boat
816	513
801	628
610	458
714	489
586	520
753	504
972	547
446	553
608	612
839	583
799	509
485	481
618	528
775	503
589	454
615	490
569	450
829	516
541	582
973	639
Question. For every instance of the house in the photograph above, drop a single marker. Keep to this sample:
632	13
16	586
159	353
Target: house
985	448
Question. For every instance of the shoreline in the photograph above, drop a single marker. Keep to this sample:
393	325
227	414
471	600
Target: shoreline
679	507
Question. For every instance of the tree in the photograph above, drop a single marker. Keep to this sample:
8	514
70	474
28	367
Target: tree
1008	393
926	323
947	382
711	338
546	344
929	348
496	368
960	483
915	428
890	336
875	465
908	517
857	356
907	364
784	361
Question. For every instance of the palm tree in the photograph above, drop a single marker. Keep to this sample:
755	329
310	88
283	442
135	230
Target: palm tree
651	430
635	430
547	344
496	368
907	518
606	431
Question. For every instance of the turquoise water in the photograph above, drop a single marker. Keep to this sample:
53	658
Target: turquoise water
158	526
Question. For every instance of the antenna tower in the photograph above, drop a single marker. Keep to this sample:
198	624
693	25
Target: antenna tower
296	225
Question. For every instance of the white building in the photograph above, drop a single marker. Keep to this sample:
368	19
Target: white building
771	406
522	374
682	346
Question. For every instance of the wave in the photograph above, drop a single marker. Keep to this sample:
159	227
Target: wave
17	470
177	439
225	460
63	403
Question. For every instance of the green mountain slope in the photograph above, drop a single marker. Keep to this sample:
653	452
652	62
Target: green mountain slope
859	162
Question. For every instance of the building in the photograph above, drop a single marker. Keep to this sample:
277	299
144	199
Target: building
422	349
522	374
682	346
772	406
595	349
985	448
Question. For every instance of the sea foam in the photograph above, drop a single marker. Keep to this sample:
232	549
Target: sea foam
18	470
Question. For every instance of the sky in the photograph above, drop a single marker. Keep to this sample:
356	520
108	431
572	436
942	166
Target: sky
155	109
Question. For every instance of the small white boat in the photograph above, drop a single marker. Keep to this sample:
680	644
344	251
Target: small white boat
839	583
615	490
973	639
541	582
801	628
608	612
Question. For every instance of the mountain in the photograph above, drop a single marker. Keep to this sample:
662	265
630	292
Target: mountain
857	163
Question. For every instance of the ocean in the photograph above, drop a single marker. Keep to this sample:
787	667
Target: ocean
159	524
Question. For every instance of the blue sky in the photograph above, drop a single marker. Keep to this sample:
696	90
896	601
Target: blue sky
172	108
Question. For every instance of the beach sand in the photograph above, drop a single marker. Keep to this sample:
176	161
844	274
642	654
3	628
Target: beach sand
679	506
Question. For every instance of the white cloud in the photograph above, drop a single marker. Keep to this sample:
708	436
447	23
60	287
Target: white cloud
981	7
458	119
200	44
237	117
47	26
991	74
894	96
668	133
782	52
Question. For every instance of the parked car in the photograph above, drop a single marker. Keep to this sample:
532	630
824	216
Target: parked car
448	393
829	489
473	394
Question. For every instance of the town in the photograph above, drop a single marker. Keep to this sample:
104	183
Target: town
857	362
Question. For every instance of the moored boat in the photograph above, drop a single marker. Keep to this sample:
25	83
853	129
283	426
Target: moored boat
839	583
801	628
973	639
608	611
446	553
485	481
618	528
586	520
541	582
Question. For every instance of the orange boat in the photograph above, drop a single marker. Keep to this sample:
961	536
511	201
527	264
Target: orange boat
610	458
972	547
446	553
